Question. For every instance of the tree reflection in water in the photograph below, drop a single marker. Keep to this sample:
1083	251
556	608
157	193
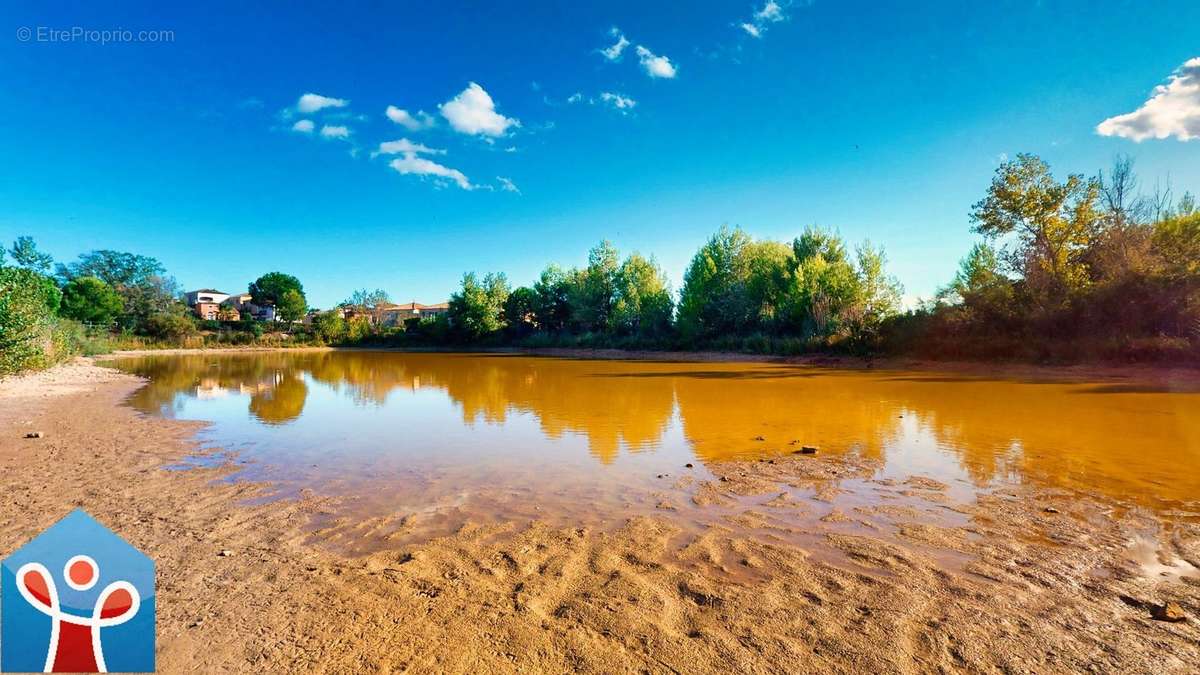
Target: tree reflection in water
1131	443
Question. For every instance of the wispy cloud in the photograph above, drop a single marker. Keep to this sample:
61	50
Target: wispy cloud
474	112
303	126
405	146
614	52
335	131
1173	109
311	103
422	120
618	101
656	66
411	163
771	12
507	185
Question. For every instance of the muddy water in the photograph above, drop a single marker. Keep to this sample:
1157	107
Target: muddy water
419	443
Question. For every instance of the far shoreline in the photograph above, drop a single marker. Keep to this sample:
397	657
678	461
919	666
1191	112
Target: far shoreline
1173	377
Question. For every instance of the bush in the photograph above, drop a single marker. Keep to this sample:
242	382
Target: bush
170	326
26	321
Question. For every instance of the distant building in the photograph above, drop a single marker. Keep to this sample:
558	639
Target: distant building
211	305
205	295
396	315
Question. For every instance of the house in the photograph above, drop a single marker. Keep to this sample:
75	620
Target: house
205	295
211	311
213	305
396	315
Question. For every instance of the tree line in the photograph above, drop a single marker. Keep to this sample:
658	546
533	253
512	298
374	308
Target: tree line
107	298
1077	268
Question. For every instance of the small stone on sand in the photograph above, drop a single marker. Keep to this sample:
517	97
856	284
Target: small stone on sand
1170	611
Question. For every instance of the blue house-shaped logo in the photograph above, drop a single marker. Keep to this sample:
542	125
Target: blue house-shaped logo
77	598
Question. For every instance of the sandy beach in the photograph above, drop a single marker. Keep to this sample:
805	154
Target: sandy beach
1023	580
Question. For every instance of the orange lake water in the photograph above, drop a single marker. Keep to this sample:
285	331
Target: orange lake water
434	439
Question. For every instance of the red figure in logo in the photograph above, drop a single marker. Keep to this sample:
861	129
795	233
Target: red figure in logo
75	640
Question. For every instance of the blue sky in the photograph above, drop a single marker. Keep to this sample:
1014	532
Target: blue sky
884	120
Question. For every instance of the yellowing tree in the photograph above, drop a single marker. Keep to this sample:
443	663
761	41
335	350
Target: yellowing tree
1044	226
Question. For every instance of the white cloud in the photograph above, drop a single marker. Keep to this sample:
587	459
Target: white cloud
334	131
614	52
303	126
656	66
617	100
422	120
404	146
311	103
507	185
413	165
474	112
575	98
770	13
1173	109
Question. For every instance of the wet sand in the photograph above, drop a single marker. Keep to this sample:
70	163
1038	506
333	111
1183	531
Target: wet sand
1024	579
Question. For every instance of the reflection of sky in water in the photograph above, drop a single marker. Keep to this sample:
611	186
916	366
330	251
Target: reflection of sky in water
417	429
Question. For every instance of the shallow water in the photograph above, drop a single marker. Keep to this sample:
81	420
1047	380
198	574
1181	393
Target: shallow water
436	439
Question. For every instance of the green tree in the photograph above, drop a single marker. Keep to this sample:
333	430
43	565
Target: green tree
770	270
981	287
1177	242
25	254
115	268
879	295
592	294
1052	224
330	326
141	281
90	300
371	302
642	302
520	309
25	319
552	309
291	306
713	300
824	285
270	287
477	309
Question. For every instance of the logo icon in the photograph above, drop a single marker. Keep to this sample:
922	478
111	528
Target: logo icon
77	598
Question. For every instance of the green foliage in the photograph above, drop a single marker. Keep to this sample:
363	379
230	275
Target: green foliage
552	307
520	310
90	300
141	281
270	289
330	327
713	300
1178	242
1052	223
25	320
877	297
291	306
592	291
642	303
477	309
171	325
26	254
115	268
